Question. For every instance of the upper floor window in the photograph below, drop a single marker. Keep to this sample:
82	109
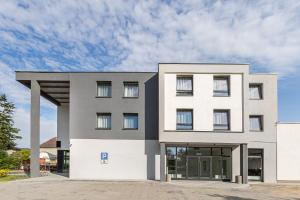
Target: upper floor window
255	91
104	120
184	119
130	121
256	123
184	86
221	86
221	120
104	89
131	89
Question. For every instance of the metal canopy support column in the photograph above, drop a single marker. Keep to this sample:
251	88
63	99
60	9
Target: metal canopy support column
35	129
162	162
244	163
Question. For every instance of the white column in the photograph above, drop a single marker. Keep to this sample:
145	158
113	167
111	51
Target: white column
35	129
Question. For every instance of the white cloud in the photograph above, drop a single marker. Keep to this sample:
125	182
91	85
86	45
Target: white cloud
135	35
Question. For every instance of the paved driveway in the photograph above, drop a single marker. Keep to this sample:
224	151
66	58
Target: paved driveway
56	188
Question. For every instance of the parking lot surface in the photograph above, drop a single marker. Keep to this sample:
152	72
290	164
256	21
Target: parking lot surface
56	188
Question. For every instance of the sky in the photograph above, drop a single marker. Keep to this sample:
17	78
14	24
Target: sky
117	35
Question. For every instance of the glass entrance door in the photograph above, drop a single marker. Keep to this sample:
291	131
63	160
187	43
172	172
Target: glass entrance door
193	167
199	167
205	167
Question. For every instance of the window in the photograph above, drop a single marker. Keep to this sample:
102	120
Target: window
184	120
184	86
255	164
221	120
221	86
104	89
130	121
255	91
171	161
103	120
131	89
256	123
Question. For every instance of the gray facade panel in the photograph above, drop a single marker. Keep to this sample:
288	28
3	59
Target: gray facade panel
84	106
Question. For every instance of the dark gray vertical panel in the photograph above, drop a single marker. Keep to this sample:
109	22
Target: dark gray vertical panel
151	108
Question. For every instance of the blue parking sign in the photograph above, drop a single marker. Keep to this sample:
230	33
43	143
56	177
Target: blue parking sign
104	156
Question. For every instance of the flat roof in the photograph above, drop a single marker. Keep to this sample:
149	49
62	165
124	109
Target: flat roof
69	72
162	63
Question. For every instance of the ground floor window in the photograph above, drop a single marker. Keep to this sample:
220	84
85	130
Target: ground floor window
207	163
255	164
63	159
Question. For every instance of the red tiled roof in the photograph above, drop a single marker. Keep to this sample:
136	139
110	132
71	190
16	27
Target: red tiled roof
49	143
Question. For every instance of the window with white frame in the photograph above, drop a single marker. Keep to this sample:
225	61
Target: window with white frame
256	123
221	86
104	120
184	86
255	91
130	121
131	89
103	89
184	119
221	120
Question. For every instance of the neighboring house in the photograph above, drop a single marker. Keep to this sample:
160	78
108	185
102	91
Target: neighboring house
48	154
191	121
49	146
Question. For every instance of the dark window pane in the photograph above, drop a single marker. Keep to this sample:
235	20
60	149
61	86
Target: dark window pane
104	89
216	151
256	123
184	85
130	121
171	152
181	162
255	91
184	120
131	89
226	151
197	151
221	86
254	152
171	166
221	120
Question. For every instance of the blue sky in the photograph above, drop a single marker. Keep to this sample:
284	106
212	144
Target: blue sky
136	35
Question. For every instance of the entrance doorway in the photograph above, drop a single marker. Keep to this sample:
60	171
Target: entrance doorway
199	167
199	163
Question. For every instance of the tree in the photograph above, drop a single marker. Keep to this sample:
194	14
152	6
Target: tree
8	133
25	154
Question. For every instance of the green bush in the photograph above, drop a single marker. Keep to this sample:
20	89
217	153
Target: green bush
3	172
12	161
3	159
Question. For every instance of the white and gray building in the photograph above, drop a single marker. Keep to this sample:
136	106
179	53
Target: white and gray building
187	121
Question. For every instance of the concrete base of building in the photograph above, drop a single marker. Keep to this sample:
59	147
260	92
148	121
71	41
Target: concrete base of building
126	159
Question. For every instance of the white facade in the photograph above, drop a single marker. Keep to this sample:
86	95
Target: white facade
127	159
203	102
288	149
